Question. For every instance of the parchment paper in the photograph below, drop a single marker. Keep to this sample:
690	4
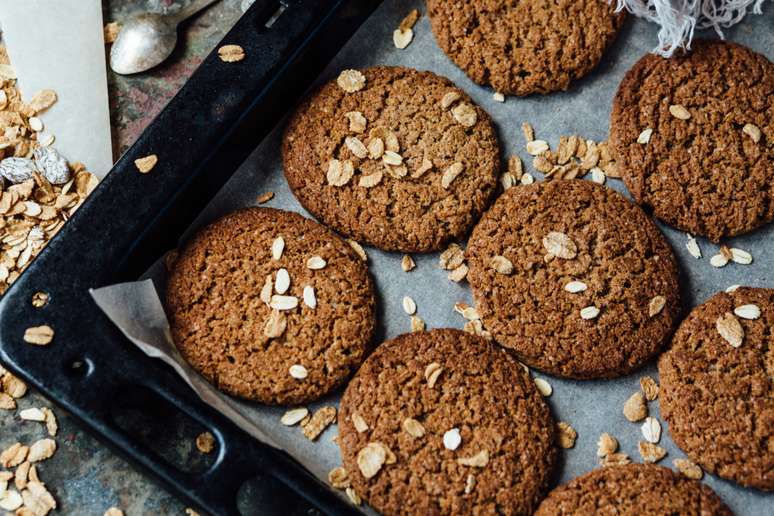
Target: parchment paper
591	407
59	45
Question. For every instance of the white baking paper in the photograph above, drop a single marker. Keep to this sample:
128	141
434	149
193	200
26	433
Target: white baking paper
59	45
591	407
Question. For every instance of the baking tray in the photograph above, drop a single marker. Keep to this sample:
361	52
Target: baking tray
153	226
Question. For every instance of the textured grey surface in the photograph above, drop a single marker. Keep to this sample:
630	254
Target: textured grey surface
87	478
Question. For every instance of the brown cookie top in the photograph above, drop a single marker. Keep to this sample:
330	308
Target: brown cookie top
705	123
574	278
719	399
393	157
419	387
633	489
312	337
531	46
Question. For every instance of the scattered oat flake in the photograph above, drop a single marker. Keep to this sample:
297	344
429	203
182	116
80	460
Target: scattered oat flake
41	450
688	468
741	256
501	265
407	263
498	97
111	31
32	414
231	53
588	313
310	298
574	287
452	257
298	371
432	372
649	388
732	289
644	137
527	179
451	173
450	98
275	325
410	19
651	429
730	329
283	302
265	197
598	176
616	459
566	434
7	402
479	460
10	500
371	459
13	455
753	131
635	408
39	335
413	427
417	324
357	121
650	452
459	273
358	249
114	511
679	111
656	305
205	442
560	245
338	478
750	312
528	131
37	499
281	281
351	81
606	445
465	114
537	147
402	38
452	439
409	306
719	260
13	386
294	416
319	422
353	497
146	164
693	247
339	173
359	423
43	100
543	387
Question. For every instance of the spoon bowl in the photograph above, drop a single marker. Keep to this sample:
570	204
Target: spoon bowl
144	42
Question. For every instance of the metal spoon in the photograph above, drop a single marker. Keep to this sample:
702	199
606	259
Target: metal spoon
149	38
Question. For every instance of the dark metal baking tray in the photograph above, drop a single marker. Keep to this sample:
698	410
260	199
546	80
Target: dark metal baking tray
131	219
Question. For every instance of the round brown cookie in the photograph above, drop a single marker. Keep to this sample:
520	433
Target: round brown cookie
547	256
222	325
713	173
717	399
425	122
633	489
531	46
417	387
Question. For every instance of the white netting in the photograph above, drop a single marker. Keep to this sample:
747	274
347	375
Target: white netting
679	18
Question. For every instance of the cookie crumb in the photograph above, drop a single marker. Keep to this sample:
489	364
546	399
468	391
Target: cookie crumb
649	388
205	442
566	434
231	53
688	468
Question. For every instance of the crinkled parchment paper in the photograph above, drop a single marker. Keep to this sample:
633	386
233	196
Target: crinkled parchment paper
591	407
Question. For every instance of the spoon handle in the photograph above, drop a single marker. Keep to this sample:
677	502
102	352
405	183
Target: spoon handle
192	8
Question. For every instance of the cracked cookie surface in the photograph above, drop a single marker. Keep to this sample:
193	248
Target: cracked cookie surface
526	46
719	400
505	428
408	213
218	317
588	267
633	489
705	174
